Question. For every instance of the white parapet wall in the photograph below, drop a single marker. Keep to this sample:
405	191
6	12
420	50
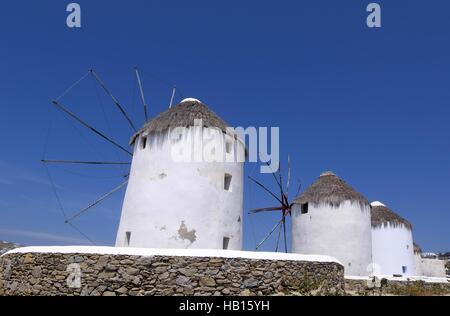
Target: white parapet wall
430	267
425	279
146	252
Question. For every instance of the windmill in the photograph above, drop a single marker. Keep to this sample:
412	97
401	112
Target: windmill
69	219
285	206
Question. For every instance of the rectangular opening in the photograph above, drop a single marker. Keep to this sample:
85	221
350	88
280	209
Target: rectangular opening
226	242
227	182
304	208
228	147
127	238
143	142
404	269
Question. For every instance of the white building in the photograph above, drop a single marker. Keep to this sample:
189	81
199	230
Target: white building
182	193
331	218
428	265
392	242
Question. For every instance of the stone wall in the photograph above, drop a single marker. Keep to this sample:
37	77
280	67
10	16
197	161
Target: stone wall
115	275
396	288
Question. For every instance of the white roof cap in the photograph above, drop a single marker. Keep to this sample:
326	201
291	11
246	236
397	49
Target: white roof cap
377	203
191	100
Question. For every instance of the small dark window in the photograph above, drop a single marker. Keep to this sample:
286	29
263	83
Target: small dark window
226	241
404	269
128	238
304	208
228	147
143	142
227	182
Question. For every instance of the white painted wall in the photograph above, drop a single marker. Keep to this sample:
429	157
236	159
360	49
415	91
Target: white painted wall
429	267
392	249
343	233
181	205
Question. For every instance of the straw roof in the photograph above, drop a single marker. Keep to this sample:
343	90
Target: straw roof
417	248
330	189
183	115
383	216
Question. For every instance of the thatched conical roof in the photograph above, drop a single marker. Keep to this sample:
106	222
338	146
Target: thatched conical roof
383	216
330	189
417	249
183	115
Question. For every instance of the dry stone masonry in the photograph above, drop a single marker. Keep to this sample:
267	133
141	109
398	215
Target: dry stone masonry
118	275
397	288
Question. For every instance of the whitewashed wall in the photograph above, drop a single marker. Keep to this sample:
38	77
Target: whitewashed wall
343	233
392	249
429	267
172	204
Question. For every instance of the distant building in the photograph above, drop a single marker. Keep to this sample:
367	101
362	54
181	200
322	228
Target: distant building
392	242
331	218
428	264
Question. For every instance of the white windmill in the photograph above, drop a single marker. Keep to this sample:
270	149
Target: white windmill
171	203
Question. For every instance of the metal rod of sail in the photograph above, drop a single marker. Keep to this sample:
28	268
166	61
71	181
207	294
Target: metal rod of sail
273	173
266	189
61	107
299	187
94	74
96	202
84	162
284	229
141	89
278	239
288	183
173	96
269	234
266	209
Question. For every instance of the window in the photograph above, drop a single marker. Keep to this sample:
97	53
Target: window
227	182
304	208
143	142
404	269
226	241
228	147
127	238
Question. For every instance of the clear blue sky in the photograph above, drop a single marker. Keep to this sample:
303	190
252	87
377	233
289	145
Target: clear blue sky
372	105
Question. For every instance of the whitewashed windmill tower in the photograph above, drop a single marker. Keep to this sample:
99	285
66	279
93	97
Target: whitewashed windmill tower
185	188
392	242
331	218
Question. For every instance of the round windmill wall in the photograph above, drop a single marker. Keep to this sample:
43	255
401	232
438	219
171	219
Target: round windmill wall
393	250
173	204
392	242
343	232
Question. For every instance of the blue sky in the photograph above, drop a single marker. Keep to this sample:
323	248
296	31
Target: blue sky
370	104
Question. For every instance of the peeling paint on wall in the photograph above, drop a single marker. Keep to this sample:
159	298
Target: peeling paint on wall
185	234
